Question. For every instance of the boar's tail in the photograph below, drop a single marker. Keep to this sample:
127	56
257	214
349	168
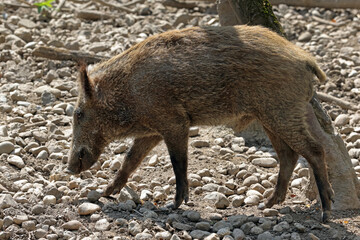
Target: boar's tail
314	68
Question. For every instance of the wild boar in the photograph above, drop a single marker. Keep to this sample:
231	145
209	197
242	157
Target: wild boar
160	87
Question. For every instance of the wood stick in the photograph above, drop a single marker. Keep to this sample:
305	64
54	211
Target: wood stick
319	3
64	54
117	6
336	24
133	3
342	103
58	8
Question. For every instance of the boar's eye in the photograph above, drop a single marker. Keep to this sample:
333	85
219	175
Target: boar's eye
78	114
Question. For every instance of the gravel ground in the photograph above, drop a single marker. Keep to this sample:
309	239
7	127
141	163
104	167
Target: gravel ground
228	176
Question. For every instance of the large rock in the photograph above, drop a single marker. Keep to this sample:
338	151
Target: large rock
6	147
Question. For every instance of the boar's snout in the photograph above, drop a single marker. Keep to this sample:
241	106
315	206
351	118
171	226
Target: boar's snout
79	161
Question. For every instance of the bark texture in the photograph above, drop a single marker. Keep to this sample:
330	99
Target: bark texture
320	3
341	173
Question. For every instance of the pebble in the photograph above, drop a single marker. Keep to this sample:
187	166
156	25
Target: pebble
153	160
49	200
93	196
305	37
200	143
252	200
102	225
250	180
38	209
268	212
238	234
205	226
265	236
163	235
16	161
213	236
264	162
88	208
134	228
199	234
6	201
221	201
237	201
29	225
143	236
6	147
341	120
193	216
72	225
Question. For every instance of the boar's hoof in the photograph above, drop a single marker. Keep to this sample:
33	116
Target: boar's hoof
326	216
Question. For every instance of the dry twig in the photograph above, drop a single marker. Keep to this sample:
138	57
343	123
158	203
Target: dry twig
342	103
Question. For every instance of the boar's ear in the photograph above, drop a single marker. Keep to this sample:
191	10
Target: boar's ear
85	87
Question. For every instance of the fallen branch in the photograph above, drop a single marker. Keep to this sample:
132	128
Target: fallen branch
64	54
319	3
117	6
177	4
336	24
133	3
342	103
15	5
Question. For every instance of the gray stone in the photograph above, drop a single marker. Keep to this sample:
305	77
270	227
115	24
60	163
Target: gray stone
265	162
93	196
193	216
204	226
182	226
247	227
6	147
299	227
199	234
223	231
238	234
38	209
265	236
221	224
295	236
256	230
40	233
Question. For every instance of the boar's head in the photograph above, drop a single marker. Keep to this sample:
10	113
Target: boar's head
88	139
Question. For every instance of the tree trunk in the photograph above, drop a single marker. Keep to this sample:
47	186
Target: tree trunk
320	3
341	173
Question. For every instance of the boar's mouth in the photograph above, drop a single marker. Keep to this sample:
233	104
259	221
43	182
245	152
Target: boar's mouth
80	161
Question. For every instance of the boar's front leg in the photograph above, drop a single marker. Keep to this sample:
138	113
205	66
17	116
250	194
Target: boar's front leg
136	154
288	159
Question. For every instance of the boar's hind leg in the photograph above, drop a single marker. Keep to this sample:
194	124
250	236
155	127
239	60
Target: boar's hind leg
293	127
136	154
176	141
288	159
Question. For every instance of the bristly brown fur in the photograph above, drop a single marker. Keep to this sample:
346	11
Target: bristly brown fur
160	87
